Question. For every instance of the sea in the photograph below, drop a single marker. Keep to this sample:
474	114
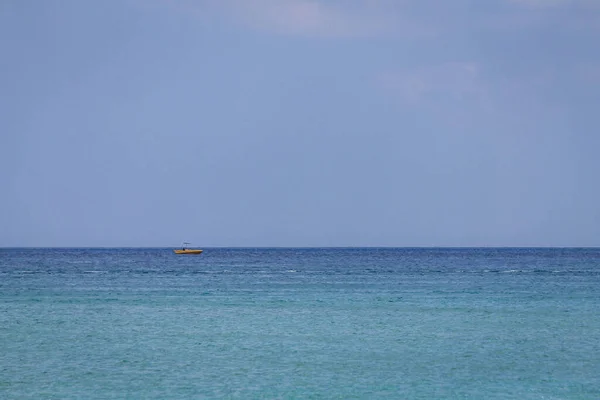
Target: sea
300	323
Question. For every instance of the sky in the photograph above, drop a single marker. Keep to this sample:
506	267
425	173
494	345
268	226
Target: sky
300	123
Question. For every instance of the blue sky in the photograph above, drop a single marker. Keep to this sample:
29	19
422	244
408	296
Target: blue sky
300	123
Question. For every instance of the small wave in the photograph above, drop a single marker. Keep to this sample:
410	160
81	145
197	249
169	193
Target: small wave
291	270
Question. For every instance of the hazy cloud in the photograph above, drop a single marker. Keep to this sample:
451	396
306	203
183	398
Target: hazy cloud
306	17
542	3
554	3
311	18
367	18
452	81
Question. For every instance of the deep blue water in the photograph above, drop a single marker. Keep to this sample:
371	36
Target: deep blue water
300	323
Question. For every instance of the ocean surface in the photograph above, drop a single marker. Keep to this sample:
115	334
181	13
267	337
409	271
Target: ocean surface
351	323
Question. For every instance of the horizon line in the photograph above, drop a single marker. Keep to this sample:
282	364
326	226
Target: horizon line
309	247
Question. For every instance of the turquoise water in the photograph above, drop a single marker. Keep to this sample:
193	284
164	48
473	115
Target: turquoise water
300	323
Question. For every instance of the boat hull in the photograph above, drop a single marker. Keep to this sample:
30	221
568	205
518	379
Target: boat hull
187	251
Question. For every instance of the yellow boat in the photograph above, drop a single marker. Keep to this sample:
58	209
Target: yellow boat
185	250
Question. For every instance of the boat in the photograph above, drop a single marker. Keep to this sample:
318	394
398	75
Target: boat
185	250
